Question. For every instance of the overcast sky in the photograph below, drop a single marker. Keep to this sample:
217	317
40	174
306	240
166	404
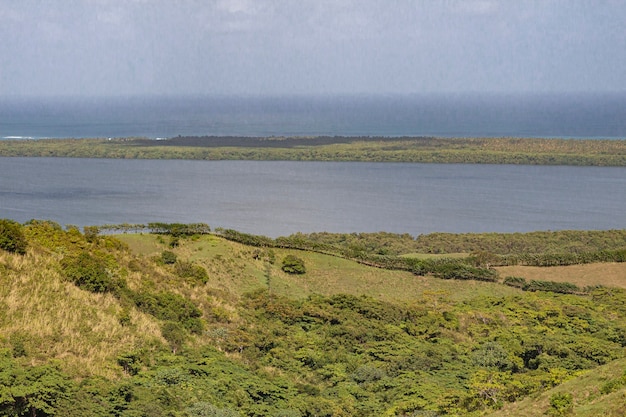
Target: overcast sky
258	47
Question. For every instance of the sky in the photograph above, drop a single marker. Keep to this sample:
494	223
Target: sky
301	47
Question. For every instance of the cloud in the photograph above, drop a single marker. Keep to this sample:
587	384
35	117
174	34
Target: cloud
239	6
475	7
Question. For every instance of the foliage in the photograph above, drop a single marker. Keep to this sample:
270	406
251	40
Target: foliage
196	274
293	265
88	272
12	237
174	333
168	257
31	391
91	233
539	285
170	306
558	287
566	243
561	404
179	229
517	282
245	238
263	354
204	409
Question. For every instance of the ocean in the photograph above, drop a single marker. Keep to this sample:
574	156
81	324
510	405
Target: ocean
460	115
278	198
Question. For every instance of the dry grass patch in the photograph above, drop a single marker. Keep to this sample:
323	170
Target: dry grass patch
56	319
607	274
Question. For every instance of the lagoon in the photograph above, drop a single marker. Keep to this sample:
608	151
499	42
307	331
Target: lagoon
277	198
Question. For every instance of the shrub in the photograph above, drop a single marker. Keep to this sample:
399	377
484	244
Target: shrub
293	265
170	307
168	257
130	362
561	404
517	282
195	273
174	334
492	355
552	286
12	237
88	273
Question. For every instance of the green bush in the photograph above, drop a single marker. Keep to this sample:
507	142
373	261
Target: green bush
170	307
561	404
517	282
12	237
293	265
245	238
174	334
168	257
194	273
552	286
88	272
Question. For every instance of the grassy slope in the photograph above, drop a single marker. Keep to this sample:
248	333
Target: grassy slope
587	398
56	320
326	274
330	275
82	330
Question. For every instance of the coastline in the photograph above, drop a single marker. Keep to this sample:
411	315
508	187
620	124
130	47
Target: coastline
517	151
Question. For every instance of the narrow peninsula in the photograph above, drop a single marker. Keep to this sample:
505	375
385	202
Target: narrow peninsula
519	151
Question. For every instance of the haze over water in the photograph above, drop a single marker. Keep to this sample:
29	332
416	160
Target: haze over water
464	115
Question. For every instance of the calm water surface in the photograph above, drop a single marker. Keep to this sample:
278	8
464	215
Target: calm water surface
518	115
280	198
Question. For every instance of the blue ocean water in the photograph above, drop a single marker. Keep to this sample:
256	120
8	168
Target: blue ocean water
538	115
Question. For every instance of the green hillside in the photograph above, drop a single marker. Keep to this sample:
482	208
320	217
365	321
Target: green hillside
198	325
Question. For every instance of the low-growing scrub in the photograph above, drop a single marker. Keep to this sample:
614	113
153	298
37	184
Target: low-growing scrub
538	285
158	344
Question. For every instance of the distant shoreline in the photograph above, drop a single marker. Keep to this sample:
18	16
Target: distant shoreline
518	151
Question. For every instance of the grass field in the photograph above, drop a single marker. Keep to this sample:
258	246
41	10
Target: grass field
608	274
325	275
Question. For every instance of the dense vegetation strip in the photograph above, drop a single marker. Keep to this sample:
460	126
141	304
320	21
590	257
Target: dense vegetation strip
529	151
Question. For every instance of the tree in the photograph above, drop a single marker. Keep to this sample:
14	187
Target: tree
87	272
174	334
293	265
31	391
12	237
